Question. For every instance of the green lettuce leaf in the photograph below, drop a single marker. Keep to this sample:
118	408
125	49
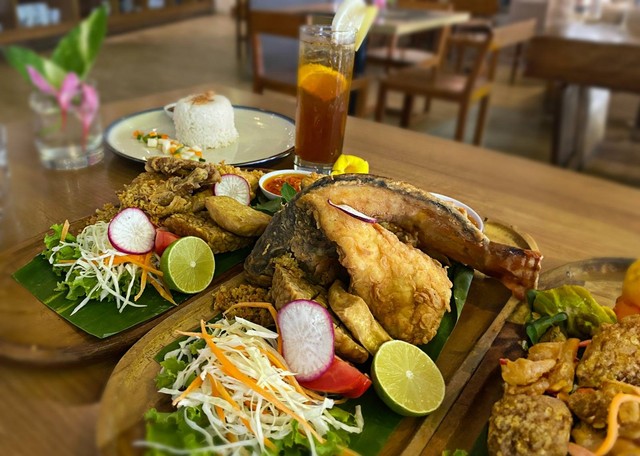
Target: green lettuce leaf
584	314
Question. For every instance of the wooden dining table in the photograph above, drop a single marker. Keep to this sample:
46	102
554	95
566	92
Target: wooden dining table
580	56
53	410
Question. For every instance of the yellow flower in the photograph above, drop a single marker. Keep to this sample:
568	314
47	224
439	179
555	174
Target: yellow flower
350	164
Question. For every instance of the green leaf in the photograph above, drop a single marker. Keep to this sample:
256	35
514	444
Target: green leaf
535	329
270	206
20	58
102	319
287	192
77	51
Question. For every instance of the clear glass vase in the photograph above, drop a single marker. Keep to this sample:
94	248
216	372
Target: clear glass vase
63	139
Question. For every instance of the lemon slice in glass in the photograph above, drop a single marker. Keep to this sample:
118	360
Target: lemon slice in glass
188	265
406	379
355	14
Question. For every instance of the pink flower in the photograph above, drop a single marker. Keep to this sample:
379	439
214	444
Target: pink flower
89	105
40	82
68	90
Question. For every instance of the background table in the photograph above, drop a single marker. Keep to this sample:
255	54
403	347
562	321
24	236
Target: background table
53	411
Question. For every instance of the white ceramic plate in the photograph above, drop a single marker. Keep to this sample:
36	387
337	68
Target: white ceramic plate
264	136
471	214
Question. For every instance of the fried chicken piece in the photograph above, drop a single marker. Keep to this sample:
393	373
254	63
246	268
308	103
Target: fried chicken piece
201	225
104	214
236	217
289	284
613	354
356	316
225	297
522	425
406	290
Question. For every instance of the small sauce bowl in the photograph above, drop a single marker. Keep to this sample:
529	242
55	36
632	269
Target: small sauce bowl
271	183
471	214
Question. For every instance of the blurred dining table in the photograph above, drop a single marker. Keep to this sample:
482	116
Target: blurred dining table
580	56
53	410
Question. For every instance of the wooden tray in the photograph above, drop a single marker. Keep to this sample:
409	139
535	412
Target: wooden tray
31	332
467	418
131	390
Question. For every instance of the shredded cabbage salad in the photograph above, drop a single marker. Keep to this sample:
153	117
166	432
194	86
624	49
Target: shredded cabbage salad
92	267
235	395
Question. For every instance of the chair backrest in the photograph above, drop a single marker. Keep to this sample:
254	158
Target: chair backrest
513	33
272	23
477	7
480	42
509	35
424	5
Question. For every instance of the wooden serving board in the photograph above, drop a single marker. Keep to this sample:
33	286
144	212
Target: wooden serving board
469	415
31	332
131	389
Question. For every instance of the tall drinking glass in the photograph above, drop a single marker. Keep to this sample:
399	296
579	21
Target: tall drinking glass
325	69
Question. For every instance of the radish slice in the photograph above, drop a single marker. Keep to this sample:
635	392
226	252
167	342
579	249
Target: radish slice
353	212
131	231
307	338
235	187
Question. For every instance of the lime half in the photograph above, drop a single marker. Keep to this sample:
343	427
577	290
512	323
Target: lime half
188	265
355	14
406	379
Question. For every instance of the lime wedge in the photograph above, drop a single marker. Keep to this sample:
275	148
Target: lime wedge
357	15
406	379
188	265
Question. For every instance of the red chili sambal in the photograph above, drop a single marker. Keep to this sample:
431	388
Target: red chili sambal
274	184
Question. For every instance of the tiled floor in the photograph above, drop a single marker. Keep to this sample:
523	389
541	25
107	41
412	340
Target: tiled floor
203	49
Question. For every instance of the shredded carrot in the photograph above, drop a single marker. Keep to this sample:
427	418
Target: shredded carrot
162	290
143	276
290	379
66	261
138	260
261	305
194	384
65	231
136	133
612	421
230	369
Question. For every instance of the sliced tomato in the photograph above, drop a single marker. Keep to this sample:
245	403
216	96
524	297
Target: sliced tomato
341	378
163	239
625	307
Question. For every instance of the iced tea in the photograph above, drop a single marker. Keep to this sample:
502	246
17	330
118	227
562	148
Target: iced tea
324	79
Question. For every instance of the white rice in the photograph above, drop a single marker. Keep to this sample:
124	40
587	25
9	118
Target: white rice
205	120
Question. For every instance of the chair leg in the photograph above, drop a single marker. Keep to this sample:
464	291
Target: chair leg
427	104
462	121
407	109
482	119
515	65
381	103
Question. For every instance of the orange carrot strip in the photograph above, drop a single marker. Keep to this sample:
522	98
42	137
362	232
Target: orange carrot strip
138	260
194	384
65	230
612	422
261	305
224	394
214	392
290	378
143	276
230	369
66	261
162	290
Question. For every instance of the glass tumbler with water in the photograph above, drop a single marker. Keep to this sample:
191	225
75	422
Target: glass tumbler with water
325	69
65	139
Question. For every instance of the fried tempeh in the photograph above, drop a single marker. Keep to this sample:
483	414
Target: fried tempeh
201	225
356	316
236	217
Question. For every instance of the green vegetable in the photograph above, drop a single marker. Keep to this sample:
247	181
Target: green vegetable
537	328
287	192
75	53
272	206
584	314
53	239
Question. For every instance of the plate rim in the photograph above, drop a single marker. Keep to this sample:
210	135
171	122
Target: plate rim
261	161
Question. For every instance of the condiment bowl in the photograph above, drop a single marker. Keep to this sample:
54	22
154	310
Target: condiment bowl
265	179
471	214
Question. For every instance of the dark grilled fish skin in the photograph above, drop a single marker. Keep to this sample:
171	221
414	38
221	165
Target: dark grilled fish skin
439	227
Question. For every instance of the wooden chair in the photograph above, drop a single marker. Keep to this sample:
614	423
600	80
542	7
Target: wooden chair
283	24
392	54
240	12
464	88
